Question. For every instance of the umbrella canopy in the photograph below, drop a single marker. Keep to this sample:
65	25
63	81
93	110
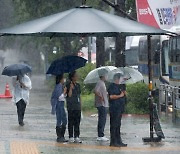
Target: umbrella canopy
130	75
81	21
16	70
93	76
66	64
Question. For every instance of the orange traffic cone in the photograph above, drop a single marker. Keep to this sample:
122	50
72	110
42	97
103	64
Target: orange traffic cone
7	93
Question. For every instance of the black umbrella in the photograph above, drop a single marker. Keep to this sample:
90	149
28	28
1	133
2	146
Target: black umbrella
66	64
16	69
81	21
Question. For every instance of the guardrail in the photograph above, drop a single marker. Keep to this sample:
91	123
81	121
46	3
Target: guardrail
169	101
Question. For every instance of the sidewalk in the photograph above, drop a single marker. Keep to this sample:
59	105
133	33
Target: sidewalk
38	134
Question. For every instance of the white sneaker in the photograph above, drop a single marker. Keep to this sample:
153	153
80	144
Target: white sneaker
105	139
77	140
71	140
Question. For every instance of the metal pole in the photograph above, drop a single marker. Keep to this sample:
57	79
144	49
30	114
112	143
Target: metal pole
150	86
160	100
166	101
150	98
174	104
89	49
110	56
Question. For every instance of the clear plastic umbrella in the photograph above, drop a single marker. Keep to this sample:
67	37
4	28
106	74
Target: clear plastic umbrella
130	75
93	76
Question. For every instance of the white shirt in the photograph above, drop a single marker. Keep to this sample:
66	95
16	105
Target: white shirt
21	92
62	97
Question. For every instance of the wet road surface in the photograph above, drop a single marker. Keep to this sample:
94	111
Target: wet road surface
38	134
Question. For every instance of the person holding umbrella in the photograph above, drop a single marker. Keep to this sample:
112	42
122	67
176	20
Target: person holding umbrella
74	107
57	102
101	103
116	108
22	86
65	65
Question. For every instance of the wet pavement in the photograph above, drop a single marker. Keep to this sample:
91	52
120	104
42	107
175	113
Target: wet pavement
38	134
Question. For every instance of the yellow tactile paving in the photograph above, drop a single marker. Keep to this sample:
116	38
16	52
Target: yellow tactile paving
20	147
107	148
25	147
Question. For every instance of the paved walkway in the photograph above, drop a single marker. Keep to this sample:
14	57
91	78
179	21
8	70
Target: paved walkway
38	134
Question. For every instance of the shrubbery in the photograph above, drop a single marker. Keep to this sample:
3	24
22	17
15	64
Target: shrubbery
83	72
137	98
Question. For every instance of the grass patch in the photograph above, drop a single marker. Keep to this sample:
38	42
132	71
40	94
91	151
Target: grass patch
88	103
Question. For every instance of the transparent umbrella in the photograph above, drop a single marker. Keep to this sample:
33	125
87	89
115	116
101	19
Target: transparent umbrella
93	76
130	75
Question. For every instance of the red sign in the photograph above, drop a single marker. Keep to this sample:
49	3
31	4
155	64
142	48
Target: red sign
145	14
158	13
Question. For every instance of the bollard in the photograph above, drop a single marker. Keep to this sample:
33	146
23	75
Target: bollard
166	101
160	100
174	105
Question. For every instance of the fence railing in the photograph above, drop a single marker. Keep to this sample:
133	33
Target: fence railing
169	101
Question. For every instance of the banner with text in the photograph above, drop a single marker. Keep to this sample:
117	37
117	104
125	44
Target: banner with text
158	13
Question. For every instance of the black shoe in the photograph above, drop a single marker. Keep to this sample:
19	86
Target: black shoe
114	145
122	145
118	145
61	140
21	123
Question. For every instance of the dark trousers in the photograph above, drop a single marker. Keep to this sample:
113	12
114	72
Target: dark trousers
21	106
61	115
102	114
115	124
74	119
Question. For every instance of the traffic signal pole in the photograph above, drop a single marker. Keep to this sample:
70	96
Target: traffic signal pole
150	98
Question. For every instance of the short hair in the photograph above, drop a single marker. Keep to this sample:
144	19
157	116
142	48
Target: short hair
71	75
59	78
117	76
102	72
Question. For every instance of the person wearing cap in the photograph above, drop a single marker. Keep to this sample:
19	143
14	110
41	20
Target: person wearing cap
101	103
116	109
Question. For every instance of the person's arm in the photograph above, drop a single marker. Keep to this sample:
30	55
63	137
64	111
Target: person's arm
25	83
112	95
97	93
70	89
116	96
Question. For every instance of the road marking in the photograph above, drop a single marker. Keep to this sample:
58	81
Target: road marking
20	147
98	147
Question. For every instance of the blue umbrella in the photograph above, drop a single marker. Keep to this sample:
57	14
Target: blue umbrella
66	64
16	69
